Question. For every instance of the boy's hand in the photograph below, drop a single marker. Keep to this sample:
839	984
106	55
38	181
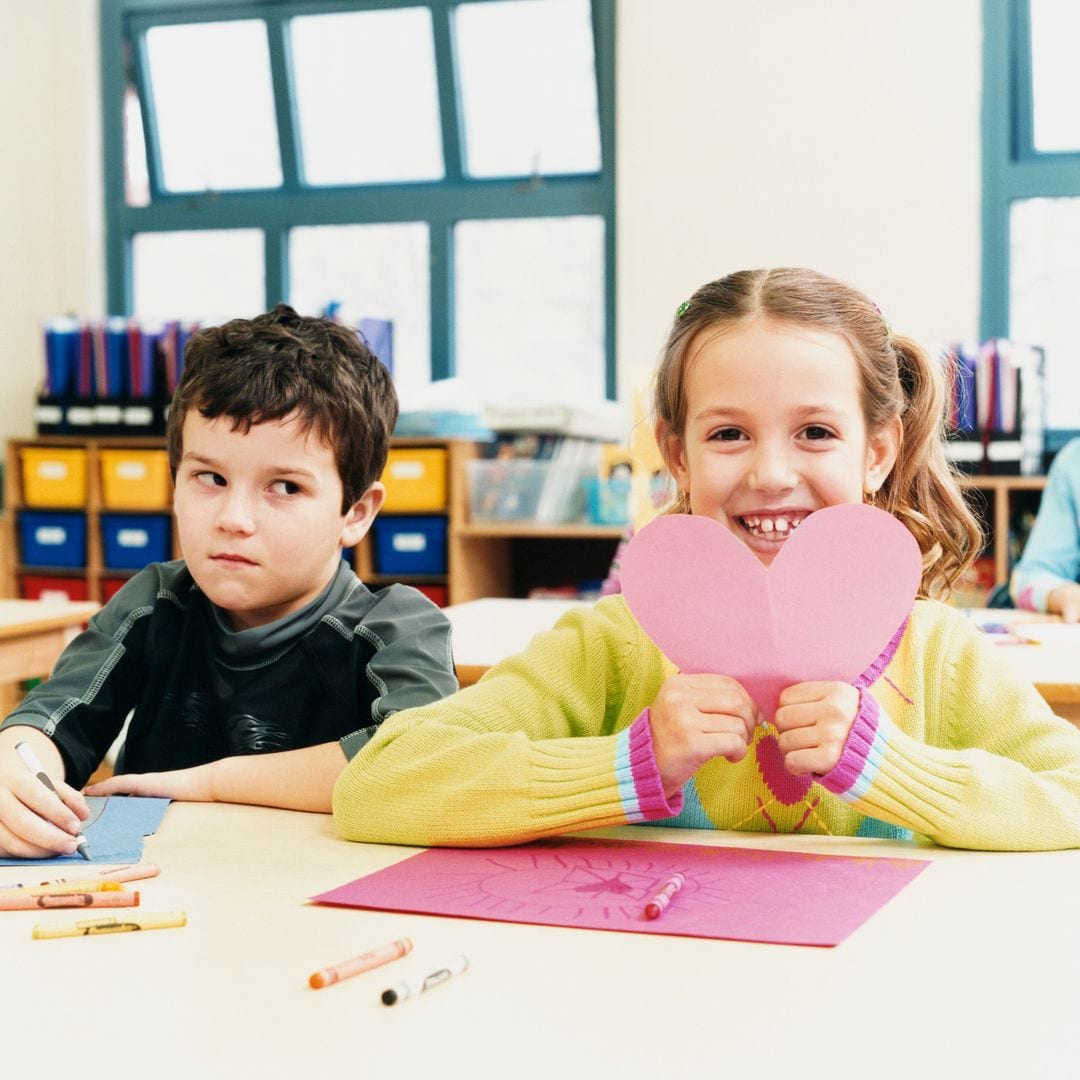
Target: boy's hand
184	785
696	718
34	823
1065	601
814	719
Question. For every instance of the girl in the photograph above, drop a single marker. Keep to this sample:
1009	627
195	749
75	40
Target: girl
780	392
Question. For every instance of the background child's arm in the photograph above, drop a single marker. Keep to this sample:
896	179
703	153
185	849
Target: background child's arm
34	823
292	779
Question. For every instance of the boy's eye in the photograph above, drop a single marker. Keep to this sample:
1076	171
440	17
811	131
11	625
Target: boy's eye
284	487
210	479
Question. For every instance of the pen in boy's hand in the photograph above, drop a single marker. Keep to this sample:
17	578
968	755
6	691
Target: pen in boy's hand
31	761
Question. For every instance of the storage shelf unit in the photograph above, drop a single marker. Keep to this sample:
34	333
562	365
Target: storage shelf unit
997	499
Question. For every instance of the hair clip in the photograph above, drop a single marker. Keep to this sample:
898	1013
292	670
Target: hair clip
888	325
682	309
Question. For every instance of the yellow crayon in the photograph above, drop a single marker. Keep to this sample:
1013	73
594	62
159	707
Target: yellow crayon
72	886
113	925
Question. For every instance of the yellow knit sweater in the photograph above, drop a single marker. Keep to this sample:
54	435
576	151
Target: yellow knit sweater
958	749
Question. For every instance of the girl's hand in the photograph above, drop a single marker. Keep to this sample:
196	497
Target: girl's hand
814	719
183	785
696	718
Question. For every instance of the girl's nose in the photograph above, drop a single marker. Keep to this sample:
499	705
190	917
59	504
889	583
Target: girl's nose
771	469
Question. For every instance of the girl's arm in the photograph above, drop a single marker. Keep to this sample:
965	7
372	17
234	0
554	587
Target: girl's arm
553	740
1051	558
997	771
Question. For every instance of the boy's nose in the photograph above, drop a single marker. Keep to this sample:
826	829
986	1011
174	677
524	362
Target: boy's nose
235	514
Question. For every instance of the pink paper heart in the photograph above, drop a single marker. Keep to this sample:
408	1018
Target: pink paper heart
835	594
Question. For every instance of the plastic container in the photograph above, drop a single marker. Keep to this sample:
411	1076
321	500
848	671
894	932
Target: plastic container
410	544
44	587
415	479
131	541
49	539
135	479
53	476
608	501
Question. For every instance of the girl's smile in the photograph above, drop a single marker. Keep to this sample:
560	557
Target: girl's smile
775	430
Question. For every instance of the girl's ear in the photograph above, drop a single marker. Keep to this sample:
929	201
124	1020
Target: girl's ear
882	450
673	451
361	514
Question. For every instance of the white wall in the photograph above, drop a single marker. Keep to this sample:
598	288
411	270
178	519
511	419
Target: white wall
840	134
52	239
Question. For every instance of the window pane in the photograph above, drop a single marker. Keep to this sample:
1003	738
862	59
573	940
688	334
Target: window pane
530	308
371	271
367	97
214	106
528	87
207	276
136	179
1055	75
1043	287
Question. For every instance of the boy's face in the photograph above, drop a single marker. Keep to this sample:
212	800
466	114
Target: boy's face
259	515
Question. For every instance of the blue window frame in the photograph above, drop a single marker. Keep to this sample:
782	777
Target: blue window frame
1031	198
149	191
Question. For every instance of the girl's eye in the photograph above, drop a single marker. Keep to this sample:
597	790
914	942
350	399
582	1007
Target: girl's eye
210	479
284	487
726	434
816	431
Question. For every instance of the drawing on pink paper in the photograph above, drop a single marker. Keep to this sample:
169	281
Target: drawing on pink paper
746	894
833	597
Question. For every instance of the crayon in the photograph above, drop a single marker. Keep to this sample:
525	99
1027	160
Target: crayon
71	887
28	901
668	891
117	874
373	958
114	925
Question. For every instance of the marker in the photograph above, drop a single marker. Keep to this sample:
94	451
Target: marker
655	907
28	901
115	925
373	958
420	983
30	760
115	877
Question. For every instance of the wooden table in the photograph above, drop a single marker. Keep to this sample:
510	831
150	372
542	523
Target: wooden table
487	631
32	635
968	972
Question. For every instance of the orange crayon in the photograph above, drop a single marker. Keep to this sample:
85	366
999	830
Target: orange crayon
27	901
73	887
373	958
118	874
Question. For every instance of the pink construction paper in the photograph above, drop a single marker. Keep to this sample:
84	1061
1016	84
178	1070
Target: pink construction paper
833	597
744	894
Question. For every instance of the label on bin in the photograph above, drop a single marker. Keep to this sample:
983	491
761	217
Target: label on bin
409	542
407	470
132	538
52	470
131	470
50	535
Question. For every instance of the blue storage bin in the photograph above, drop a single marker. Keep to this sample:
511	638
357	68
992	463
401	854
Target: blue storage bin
410	544
133	540
50	539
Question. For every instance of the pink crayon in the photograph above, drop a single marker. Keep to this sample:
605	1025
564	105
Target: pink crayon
655	907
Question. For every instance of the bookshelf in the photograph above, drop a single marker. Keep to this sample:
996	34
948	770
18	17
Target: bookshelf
999	501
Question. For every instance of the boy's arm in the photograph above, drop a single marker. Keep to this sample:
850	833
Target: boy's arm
292	779
34	823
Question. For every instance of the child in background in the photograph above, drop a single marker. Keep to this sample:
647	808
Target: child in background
1047	577
780	392
261	641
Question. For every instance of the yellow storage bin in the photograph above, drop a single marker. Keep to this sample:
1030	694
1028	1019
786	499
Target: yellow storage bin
415	479
53	476
135	479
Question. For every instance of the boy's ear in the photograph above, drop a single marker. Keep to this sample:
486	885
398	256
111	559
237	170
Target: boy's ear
361	514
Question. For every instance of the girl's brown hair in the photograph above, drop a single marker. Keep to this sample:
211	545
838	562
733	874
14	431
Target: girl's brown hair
898	378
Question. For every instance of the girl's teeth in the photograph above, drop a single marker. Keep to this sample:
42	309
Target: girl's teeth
763	526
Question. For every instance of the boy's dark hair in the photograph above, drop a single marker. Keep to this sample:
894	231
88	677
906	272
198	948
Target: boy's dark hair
280	363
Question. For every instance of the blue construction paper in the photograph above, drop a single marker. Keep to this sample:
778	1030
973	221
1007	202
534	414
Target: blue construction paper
118	824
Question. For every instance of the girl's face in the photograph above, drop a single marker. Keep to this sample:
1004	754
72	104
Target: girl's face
775	430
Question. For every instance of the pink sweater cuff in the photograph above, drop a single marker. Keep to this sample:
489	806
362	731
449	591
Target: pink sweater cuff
640	786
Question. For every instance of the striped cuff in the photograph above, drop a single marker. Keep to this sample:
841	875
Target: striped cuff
853	774
640	789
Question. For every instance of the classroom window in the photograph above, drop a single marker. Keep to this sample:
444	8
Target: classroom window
416	160
1031	192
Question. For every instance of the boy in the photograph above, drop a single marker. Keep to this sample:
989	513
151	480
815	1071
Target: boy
261	641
